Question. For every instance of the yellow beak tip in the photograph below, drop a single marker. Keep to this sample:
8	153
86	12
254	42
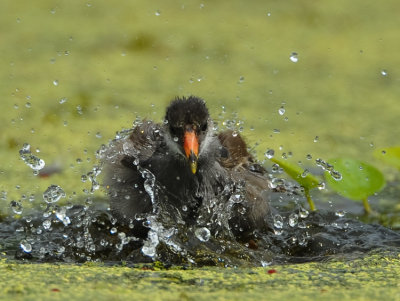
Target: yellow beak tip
193	167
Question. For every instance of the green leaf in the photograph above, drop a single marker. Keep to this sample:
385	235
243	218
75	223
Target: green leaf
359	179
307	180
390	155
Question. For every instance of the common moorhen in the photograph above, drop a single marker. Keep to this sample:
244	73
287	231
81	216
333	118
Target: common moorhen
183	162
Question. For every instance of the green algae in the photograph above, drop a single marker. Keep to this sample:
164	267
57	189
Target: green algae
370	278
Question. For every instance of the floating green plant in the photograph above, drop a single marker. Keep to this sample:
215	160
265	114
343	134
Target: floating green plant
307	180
358	180
390	156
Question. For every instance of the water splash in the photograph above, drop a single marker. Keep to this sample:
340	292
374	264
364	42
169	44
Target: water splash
32	161
53	194
203	234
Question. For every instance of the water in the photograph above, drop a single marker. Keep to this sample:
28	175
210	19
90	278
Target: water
91	233
32	161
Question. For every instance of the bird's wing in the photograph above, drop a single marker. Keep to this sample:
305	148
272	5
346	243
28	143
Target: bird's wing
235	153
244	169
122	179
143	141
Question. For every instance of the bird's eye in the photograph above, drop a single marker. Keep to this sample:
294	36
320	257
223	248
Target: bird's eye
204	127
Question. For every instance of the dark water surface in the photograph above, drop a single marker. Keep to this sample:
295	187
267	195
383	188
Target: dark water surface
86	233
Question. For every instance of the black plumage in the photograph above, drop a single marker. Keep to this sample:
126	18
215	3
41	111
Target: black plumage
154	165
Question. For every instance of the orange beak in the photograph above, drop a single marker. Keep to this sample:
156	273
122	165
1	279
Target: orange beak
191	147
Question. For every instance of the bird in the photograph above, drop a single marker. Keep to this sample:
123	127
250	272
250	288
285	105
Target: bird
185	165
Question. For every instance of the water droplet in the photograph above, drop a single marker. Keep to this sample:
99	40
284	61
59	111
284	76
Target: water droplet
149	247
241	80
158	13
281	111
336	175
265	263
293	219
294	57
46	224
53	194
79	109
384	72
61	214
26	246
55	82
176	139
303	213
268	14
149	186
63	100
316	139
203	234
16	207
32	161
308	157
113	230
340	213
302	225
305	173
278	221
269	153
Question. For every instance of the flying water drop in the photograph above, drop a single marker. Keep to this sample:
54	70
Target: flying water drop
294	57
26	246
32	161
53	194
203	234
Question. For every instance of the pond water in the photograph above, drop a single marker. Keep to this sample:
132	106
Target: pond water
308	80
89	232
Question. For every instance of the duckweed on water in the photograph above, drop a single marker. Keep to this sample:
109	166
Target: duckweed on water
372	278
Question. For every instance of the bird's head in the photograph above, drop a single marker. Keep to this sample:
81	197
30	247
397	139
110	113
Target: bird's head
188	122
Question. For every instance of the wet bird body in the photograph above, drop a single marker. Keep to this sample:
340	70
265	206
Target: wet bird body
184	163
